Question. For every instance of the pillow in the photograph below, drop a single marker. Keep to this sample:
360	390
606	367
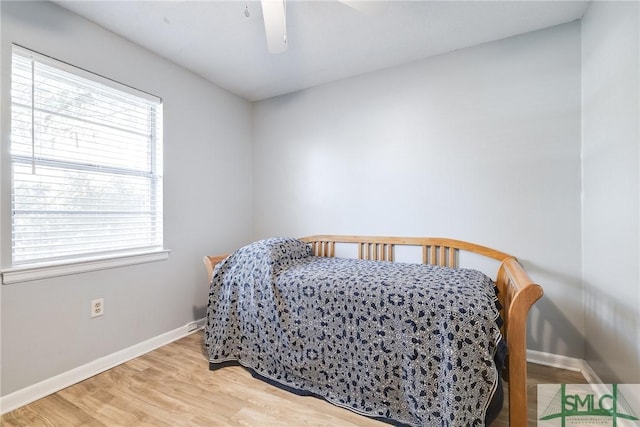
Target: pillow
277	252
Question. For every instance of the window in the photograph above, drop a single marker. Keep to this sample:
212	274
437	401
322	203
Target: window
86	159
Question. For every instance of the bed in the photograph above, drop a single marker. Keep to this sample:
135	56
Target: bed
407	343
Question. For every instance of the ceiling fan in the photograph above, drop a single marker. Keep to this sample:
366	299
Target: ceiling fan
275	21
274	13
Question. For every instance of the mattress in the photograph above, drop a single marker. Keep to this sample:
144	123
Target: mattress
410	344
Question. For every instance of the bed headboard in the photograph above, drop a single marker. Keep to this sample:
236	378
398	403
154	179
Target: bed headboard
435	251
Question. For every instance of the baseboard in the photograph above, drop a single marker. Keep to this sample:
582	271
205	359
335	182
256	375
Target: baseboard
564	362
555	360
590	375
49	386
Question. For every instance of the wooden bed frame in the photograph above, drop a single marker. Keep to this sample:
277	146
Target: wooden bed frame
517	293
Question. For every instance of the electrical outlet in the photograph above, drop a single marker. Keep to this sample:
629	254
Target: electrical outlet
97	307
192	326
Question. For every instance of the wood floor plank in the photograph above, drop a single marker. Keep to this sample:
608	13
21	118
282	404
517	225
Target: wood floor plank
172	386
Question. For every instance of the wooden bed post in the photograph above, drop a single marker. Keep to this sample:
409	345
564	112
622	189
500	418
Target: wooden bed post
210	263
519	294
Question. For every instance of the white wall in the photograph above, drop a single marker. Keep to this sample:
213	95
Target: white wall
482	144
611	189
45	325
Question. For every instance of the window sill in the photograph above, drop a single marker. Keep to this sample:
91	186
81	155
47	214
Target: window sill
47	271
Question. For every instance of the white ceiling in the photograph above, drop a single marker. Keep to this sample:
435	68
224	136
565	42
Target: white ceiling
328	40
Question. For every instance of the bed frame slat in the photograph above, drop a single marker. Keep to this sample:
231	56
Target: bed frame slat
452	257
442	255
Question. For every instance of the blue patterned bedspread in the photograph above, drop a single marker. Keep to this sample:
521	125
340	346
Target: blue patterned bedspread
408	343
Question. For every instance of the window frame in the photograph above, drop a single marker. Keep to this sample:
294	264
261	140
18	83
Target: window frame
35	270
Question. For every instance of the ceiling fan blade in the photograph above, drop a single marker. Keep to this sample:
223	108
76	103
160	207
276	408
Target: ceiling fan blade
275	25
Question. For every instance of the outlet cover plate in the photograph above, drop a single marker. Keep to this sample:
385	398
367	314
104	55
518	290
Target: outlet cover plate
97	307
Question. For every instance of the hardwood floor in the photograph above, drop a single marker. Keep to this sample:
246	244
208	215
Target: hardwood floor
172	386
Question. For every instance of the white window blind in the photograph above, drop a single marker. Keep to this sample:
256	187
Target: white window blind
86	157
